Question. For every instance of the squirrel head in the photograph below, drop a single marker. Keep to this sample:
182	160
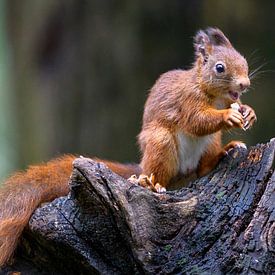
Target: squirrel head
222	71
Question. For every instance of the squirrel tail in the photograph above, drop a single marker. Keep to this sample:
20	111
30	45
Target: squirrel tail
23	192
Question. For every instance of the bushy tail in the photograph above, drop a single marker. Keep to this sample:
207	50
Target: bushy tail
22	193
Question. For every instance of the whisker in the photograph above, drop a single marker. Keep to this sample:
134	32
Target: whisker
254	61
229	131
262	72
252	54
257	69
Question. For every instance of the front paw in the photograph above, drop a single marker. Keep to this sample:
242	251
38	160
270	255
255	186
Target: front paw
233	118
249	116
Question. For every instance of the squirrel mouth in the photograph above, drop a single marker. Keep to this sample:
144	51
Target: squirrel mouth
234	95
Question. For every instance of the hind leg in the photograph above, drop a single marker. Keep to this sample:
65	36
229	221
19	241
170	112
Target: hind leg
209	161
160	158
234	144
212	156
214	153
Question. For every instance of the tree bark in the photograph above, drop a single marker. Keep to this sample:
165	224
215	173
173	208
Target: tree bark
220	224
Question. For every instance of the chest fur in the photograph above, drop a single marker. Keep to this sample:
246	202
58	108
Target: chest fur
190	151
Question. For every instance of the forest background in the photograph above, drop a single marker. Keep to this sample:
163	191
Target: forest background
74	74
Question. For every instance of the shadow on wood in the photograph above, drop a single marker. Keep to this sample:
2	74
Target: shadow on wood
222	223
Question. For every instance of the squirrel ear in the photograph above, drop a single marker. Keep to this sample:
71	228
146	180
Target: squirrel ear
217	37
202	44
204	41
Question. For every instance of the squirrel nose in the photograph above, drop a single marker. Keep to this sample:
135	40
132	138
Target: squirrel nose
243	83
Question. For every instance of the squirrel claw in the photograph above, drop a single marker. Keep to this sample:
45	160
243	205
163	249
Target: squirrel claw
147	182
249	116
159	188
242	145
234	144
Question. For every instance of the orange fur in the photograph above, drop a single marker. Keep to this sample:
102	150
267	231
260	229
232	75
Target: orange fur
22	193
211	156
186	106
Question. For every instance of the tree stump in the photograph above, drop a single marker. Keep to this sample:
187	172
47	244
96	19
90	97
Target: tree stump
222	223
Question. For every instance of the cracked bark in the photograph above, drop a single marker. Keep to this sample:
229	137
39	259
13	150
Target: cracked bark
222	223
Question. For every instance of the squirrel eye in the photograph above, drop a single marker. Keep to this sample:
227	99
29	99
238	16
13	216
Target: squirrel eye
220	68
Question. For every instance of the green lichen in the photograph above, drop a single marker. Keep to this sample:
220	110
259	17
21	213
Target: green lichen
182	261
220	195
168	247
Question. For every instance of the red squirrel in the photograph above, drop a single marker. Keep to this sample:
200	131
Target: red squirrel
187	109
184	115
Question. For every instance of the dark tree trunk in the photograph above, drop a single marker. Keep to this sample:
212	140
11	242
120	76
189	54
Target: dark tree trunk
222	223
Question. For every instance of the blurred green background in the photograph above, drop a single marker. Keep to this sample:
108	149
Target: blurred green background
75	74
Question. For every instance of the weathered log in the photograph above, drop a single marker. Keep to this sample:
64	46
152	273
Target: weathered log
221	223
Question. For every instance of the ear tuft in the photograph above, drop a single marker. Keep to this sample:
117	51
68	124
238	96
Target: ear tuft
217	37
204	41
201	44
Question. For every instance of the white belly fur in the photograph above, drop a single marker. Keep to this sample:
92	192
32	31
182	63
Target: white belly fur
190	151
